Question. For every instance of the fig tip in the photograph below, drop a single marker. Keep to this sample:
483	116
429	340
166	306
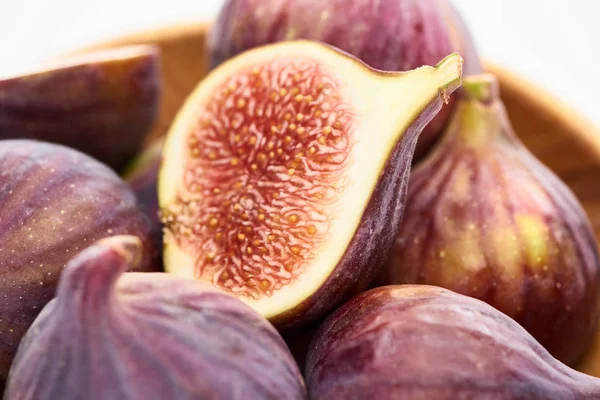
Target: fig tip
129	247
450	71
97	268
482	87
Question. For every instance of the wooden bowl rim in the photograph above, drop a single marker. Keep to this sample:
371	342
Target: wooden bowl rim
583	130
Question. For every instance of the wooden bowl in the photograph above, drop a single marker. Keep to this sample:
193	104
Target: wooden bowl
559	136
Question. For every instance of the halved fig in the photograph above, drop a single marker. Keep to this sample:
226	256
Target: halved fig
103	103
284	175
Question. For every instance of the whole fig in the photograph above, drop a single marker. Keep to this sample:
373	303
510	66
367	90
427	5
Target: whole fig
486	219
427	343
54	202
391	35
110	335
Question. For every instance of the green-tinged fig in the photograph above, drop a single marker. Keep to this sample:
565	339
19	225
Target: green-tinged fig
54	202
486	219
110	335
391	35
283	177
142	176
103	103
427	343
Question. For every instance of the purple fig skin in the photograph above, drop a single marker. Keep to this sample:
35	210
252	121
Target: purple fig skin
487	219
153	336
390	35
142	176
54	202
102	104
423	342
374	238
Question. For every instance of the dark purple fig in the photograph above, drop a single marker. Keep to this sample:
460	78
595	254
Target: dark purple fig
486	219
427	343
110	335
104	103
54	202
284	175
391	35
142	176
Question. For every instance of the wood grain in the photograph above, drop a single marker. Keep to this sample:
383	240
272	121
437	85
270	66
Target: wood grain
183	64
558	135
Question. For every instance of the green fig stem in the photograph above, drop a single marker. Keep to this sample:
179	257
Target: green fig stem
480	117
450	71
481	88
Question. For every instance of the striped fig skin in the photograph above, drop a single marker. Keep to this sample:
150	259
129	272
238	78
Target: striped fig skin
142	176
486	219
104	108
110	335
423	342
390	35
54	202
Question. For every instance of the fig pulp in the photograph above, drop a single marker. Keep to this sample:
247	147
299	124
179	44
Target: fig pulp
109	335
54	202
391	35
142	176
428	343
275	184
486	219
103	104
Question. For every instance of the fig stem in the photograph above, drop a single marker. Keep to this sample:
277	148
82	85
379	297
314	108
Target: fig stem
482	88
450	72
89	278
480	117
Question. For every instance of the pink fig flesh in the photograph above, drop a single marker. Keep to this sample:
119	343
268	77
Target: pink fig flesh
427	343
390	35
486	219
54	202
110	335
273	185
103	104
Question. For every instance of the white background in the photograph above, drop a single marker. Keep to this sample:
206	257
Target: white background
555	43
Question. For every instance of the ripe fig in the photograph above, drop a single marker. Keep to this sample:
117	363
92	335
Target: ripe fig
391	35
110	335
486	219
103	104
142	176
275	183
54	202
423	342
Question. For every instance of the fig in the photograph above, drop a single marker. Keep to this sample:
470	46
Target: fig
423	342
275	183
54	202
392	35
142	176
104	103
486	219
109	335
